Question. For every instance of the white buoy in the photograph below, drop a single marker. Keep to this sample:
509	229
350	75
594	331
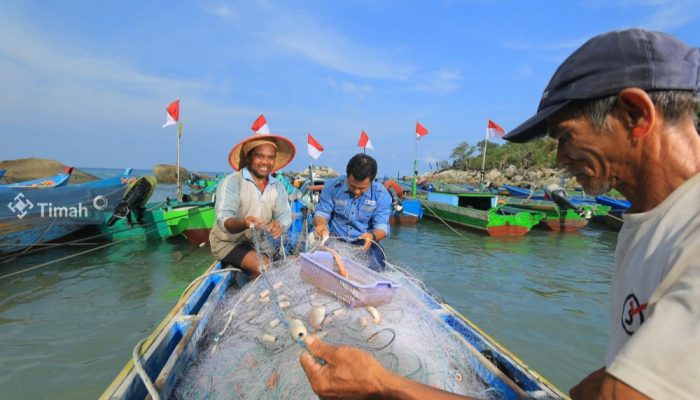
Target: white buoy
297	329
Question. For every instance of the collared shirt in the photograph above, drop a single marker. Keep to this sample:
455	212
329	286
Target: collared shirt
228	199
350	217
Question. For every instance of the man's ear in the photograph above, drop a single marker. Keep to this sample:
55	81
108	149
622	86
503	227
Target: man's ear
639	112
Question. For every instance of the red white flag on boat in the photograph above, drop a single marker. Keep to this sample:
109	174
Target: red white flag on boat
315	148
364	141
420	130
494	130
172	113
260	126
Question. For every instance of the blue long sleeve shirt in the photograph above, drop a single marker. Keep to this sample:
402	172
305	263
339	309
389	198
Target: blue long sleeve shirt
350	217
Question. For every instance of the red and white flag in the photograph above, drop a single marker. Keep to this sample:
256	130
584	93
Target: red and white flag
364	141
315	148
260	126
420	130
172	113
494	130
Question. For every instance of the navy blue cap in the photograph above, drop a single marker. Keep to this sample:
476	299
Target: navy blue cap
610	62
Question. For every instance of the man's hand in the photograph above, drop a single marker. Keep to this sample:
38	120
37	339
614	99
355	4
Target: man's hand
274	228
368	238
589	386
321	230
251	221
349	373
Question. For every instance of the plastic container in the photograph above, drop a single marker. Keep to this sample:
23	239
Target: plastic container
362	288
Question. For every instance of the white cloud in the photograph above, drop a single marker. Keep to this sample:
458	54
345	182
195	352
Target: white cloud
306	37
443	81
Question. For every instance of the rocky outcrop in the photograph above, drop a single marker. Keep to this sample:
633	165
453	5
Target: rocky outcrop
25	169
527	178
319	172
167	173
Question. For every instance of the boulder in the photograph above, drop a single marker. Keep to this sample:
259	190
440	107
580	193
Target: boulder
167	173
25	169
510	172
493	174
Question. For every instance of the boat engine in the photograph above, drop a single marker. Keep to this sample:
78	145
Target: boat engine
559	196
134	200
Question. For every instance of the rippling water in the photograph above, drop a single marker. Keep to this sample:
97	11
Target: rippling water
66	330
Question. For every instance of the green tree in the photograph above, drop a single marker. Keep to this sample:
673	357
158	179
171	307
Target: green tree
461	155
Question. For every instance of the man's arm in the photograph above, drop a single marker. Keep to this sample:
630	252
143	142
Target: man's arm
353	373
601	385
324	209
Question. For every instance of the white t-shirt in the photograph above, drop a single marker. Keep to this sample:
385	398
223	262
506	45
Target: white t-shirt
655	326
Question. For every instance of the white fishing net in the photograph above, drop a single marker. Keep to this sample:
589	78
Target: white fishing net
248	352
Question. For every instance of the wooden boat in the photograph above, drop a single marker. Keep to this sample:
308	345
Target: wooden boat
576	199
411	213
39	216
617	208
170	349
54	181
557	218
191	219
481	211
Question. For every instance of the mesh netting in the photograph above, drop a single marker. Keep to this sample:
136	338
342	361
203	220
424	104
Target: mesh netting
248	351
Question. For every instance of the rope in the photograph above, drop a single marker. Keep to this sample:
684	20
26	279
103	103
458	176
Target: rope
443	221
60	259
142	372
11	257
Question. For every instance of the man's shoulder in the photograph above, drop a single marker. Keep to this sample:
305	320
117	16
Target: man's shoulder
336	182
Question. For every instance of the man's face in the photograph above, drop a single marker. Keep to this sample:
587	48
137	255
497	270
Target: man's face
589	154
261	160
357	188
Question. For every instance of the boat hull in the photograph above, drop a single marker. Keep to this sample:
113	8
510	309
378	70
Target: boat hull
493	222
170	349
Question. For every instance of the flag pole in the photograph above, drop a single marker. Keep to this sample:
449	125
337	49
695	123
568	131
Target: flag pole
483	160
415	169
179	185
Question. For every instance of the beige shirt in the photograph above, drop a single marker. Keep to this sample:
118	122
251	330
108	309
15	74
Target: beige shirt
655	326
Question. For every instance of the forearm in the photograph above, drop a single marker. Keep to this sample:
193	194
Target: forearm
399	387
379	234
320	221
235	225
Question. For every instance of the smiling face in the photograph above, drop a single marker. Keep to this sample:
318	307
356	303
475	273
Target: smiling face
594	157
261	160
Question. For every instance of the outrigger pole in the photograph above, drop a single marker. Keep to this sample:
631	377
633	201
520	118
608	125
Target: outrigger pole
415	169
179	184
483	159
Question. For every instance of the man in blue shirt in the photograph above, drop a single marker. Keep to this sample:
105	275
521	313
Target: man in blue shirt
355	208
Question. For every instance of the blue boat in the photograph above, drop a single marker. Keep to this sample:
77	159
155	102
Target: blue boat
33	217
54	181
167	355
2	173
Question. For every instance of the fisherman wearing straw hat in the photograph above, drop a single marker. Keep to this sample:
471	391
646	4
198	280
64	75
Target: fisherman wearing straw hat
251	198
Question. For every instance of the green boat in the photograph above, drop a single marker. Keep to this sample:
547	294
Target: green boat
557	218
151	225
192	219
481	211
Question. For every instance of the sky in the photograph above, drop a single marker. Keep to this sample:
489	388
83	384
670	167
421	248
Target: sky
87	83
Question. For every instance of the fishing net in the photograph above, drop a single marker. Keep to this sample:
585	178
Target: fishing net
248	351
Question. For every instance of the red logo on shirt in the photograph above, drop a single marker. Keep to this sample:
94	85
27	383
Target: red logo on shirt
632	314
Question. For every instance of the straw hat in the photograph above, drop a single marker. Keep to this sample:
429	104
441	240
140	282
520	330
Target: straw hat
285	150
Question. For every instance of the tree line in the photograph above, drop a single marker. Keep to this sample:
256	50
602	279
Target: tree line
540	153
536	154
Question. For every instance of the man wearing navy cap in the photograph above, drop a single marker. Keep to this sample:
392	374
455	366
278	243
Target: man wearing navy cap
622	107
